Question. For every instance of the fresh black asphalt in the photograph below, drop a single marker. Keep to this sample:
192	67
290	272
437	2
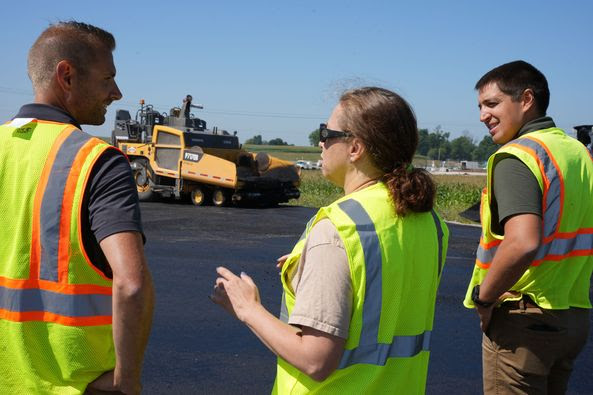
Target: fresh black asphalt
197	348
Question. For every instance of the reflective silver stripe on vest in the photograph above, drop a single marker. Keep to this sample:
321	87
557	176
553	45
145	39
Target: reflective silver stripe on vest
283	309
371	309
377	354
51	205
437	224
552	213
368	350
555	247
552	210
581	242
32	300
486	255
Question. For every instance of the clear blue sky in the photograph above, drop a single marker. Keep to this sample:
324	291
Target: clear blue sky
276	68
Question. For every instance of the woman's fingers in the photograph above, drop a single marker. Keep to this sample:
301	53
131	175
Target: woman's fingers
225	273
247	279
280	261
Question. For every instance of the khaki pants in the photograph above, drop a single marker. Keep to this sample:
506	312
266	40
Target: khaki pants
529	350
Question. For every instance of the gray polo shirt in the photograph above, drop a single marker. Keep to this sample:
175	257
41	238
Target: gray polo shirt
110	202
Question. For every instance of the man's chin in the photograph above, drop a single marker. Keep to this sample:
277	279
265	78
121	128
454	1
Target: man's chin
94	121
501	140
498	138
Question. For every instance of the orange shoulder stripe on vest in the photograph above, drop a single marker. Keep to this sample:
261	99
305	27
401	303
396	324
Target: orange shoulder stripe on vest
540	164
531	152
567	235
55	287
560	178
490	245
45	316
66	211
80	242
556	258
483	265
35	255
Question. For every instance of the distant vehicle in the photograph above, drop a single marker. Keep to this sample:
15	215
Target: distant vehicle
174	156
584	133
304	164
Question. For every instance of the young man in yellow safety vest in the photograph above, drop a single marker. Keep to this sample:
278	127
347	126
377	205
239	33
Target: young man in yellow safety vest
530	284
76	297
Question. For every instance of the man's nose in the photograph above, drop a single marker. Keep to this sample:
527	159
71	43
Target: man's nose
116	93
484	116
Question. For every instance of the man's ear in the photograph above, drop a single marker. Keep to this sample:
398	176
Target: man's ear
528	100
64	73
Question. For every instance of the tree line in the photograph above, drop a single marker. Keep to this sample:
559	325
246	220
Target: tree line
436	145
257	140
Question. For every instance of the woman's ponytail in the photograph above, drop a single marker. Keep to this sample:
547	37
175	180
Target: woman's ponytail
411	189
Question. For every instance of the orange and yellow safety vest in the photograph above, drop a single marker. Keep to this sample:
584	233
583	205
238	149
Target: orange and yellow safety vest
55	305
559	276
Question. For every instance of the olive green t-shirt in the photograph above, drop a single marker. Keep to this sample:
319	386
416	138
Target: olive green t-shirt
515	188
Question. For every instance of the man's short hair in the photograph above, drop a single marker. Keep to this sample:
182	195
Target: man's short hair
77	42
514	78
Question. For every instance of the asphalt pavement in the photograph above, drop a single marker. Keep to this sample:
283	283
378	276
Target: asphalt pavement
197	348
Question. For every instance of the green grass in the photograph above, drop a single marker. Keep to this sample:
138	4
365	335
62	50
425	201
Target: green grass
455	193
316	191
287	152
282	148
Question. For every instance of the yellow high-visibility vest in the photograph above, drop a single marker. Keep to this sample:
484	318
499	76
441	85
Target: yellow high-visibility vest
559	276
395	268
55	306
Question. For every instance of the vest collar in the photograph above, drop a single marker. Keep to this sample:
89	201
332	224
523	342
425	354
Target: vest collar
46	113
536	124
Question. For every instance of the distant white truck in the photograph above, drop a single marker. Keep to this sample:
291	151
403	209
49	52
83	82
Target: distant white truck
469	165
304	164
308	165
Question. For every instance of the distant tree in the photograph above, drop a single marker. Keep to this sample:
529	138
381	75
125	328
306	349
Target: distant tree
485	148
255	140
439	144
314	138
277	141
462	148
423	142
439	153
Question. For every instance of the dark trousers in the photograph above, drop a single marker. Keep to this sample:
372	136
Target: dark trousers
530	350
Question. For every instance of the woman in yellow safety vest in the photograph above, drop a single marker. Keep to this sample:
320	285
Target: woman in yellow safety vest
360	286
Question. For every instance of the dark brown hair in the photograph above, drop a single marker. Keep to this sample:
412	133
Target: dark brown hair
387	127
514	78
77	42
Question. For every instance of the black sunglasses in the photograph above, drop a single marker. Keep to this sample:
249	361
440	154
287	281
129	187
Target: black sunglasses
325	133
